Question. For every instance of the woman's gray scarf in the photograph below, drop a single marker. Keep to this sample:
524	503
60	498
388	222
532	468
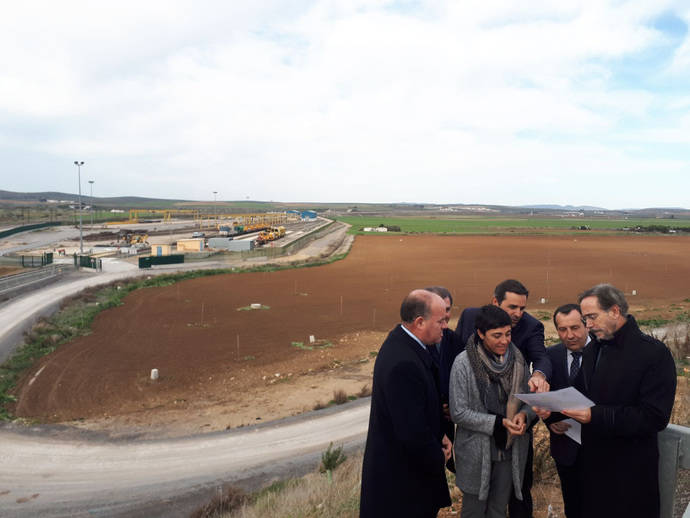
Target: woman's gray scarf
497	382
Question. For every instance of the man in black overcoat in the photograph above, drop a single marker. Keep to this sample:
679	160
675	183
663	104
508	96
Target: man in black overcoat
403	472
444	356
631	377
527	334
566	360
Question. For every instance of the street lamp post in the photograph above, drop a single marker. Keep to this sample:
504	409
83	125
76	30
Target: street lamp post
81	238
91	185
214	205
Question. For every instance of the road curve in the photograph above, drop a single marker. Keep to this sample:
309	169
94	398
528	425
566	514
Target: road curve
75	474
48	477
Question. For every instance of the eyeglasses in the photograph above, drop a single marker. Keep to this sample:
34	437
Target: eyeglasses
591	317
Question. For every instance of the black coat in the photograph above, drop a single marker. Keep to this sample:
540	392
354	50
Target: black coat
403	472
563	448
527	335
632	381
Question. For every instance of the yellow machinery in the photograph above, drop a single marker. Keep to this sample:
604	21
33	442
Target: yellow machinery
248	222
271	234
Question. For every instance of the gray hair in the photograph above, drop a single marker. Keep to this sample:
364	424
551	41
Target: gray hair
607	295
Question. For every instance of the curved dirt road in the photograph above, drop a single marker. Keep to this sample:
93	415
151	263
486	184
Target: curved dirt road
75	474
43	476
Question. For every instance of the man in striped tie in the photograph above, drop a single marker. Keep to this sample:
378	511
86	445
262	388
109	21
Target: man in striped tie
566	358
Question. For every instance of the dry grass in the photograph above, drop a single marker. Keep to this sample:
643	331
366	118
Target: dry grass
312	495
227	500
365	391
340	397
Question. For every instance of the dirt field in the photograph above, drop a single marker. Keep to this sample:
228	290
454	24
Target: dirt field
190	331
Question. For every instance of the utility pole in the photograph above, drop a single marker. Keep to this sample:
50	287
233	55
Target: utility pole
81	237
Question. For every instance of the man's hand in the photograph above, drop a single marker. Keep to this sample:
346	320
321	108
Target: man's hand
559	428
542	413
582	416
516	426
538	383
447	447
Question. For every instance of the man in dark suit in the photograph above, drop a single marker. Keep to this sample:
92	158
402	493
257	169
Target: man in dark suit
403	470
528	336
631	378
566	359
444	354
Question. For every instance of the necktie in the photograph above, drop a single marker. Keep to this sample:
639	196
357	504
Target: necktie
574	366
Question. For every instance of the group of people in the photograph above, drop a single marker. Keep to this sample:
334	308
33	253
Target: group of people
446	399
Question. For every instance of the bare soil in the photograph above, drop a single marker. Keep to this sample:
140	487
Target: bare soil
9	270
222	366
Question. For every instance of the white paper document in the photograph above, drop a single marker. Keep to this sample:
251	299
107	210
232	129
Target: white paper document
565	399
575	430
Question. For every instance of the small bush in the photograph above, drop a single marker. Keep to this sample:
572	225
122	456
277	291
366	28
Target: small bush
331	458
340	397
320	405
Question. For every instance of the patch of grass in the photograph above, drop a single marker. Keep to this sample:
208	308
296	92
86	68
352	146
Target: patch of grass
225	501
249	308
653	322
310	496
484	224
300	345
542	315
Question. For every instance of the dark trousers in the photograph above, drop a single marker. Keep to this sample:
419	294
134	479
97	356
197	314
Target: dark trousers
523	508
571	487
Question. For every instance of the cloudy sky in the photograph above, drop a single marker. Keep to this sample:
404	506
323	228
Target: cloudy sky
504	102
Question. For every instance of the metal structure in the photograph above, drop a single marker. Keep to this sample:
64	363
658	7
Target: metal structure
674	455
81	237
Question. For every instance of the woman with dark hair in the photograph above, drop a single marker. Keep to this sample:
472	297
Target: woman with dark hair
491	441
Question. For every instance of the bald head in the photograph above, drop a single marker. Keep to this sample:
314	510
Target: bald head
424	314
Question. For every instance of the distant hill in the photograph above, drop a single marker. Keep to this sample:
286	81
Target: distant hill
18	199
564	207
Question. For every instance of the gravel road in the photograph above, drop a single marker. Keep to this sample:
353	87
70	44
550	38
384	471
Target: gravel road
60	472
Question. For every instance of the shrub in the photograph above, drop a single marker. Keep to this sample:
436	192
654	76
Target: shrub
331	459
340	397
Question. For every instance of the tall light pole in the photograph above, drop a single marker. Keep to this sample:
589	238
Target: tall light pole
214	205
91	185
81	238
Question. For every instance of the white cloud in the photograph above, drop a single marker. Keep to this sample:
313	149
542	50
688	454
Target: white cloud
341	100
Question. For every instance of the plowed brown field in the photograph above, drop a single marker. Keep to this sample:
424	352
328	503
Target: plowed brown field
190	331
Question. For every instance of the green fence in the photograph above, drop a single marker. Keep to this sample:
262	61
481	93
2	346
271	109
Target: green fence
24	228
147	262
85	261
32	261
27	261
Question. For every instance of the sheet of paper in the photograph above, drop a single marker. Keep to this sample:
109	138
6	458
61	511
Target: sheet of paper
565	399
575	430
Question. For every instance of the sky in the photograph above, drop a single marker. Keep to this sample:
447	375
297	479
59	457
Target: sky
473	102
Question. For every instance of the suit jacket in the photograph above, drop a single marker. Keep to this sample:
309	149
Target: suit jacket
563	448
403	471
632	381
527	335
